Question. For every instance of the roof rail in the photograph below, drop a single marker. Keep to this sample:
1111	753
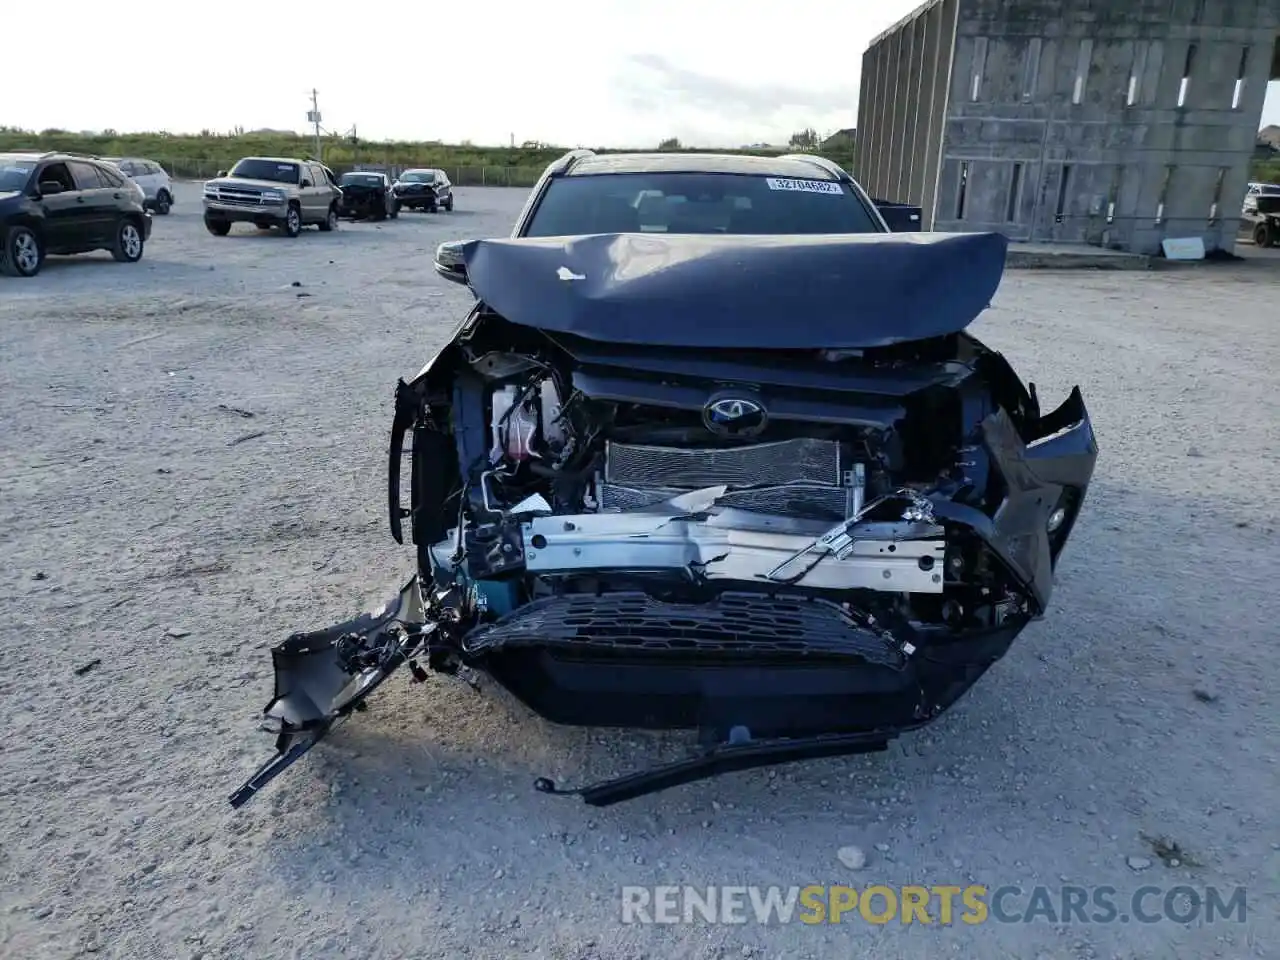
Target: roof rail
568	160
830	166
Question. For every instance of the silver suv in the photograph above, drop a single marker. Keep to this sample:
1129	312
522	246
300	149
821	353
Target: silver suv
272	192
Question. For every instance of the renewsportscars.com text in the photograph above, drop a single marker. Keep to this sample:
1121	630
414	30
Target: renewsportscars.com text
941	905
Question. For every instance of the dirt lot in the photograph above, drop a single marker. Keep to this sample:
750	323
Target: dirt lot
150	528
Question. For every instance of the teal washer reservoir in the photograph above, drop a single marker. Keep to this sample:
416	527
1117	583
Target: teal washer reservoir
499	597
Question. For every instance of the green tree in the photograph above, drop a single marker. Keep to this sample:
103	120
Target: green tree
671	143
806	139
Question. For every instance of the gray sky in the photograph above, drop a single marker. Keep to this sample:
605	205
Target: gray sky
589	72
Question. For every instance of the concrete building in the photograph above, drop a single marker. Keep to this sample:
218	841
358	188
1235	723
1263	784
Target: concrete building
1116	123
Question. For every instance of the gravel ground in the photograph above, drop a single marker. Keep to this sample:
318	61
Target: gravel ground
151	529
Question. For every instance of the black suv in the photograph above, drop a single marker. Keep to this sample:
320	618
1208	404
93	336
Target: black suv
60	203
424	189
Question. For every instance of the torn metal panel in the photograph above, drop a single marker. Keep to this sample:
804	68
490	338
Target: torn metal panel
320	677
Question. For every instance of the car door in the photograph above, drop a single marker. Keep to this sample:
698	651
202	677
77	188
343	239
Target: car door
311	193
155	177
133	172
143	177
99	200
119	188
324	191
66	215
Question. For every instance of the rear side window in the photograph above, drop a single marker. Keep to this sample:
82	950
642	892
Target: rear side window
110	177
87	176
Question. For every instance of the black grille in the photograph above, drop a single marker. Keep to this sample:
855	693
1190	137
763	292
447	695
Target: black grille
740	624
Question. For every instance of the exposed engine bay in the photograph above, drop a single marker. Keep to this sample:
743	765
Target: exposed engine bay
796	550
574	493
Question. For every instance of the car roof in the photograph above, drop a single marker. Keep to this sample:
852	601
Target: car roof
278	160
31	156
608	163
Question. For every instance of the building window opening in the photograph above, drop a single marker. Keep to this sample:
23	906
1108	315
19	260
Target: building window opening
979	68
1184	86
1237	95
1031	74
1164	194
1217	195
1113	195
1062	192
1083	61
1015	194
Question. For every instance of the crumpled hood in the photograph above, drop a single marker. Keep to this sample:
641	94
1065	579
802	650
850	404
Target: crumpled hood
780	292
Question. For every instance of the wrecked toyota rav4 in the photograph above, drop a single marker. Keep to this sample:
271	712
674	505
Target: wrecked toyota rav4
713	450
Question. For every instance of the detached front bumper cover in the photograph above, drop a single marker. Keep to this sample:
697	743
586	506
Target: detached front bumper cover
322	676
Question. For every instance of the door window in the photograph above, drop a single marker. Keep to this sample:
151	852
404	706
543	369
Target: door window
58	173
86	175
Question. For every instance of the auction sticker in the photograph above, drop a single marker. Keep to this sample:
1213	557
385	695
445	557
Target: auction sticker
803	186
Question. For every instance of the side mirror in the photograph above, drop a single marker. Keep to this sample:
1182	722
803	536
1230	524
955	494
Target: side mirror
449	262
222	173
305	184
49	187
900	217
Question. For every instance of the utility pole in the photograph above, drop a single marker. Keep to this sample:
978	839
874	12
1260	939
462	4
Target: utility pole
313	117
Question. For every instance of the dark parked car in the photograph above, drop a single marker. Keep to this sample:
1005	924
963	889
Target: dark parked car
367	195
428	190
713	449
61	204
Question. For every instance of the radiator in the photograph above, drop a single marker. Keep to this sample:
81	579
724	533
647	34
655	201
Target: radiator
794	478
786	461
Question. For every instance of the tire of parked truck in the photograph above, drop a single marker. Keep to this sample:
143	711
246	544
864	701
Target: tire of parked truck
331	220
291	226
164	203
20	252
219	228
1264	235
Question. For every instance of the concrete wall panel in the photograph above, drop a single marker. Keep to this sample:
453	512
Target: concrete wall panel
1029	52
